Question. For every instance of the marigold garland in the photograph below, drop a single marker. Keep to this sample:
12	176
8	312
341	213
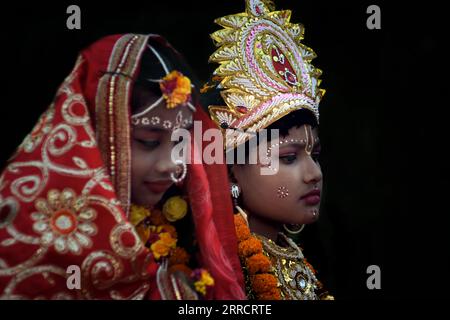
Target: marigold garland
273	294
258	263
263	282
243	232
161	238
250	247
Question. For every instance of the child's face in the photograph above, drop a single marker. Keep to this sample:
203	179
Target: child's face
280	198
151	148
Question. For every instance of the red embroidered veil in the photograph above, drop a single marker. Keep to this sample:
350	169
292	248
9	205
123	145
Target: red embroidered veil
65	194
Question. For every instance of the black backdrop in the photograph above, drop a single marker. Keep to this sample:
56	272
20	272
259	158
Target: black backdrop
382	120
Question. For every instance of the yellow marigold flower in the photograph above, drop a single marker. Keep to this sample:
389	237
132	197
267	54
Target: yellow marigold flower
159	249
138	214
175	208
167	239
162	247
205	281
200	287
170	229
206	278
176	89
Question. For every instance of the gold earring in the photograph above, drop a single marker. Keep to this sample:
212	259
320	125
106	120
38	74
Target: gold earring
297	228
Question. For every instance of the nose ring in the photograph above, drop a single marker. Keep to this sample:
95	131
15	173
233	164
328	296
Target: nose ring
183	173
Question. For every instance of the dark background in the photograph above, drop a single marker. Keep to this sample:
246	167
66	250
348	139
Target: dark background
383	122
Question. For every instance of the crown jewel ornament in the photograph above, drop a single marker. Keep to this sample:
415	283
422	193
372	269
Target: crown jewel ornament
265	71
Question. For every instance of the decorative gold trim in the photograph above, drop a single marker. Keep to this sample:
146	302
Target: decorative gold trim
113	113
265	72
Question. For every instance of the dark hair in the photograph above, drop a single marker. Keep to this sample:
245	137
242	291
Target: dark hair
294	119
151	68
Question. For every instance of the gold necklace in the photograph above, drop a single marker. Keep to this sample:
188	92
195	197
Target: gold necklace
297	280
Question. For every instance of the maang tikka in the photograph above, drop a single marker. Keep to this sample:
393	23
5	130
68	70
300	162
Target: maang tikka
176	90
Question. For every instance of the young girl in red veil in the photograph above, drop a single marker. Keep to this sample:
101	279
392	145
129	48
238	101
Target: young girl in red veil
93	191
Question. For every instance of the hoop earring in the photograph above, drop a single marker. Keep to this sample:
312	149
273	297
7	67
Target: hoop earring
183	174
294	231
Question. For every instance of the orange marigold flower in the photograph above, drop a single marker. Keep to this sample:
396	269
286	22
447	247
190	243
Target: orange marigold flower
180	267
159	249
250	247
178	256
242	229
162	247
177	98
239	220
263	282
170	229
242	232
167	239
258	263
273	294
176	89
157	218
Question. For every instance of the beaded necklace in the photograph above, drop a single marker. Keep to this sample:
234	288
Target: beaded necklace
274	272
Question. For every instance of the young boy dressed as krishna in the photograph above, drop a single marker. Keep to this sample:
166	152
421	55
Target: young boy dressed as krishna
271	92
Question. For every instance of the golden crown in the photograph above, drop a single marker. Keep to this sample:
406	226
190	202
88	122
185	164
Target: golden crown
265	72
